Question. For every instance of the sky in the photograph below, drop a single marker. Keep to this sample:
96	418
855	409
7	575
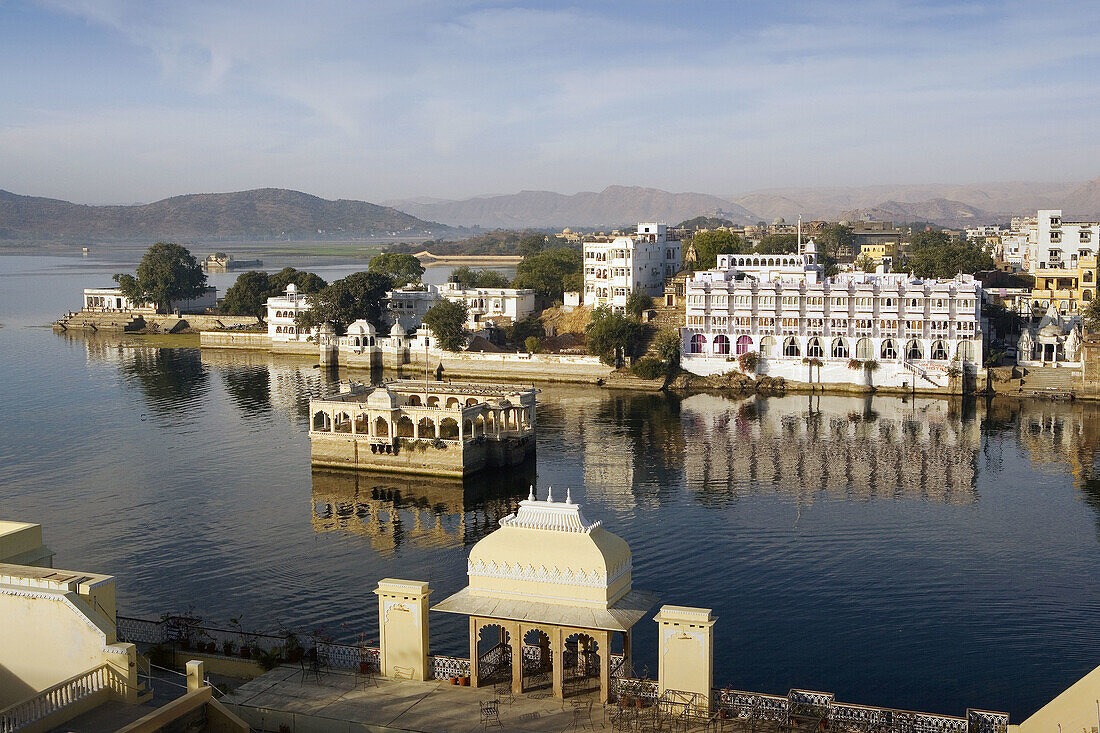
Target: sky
113	101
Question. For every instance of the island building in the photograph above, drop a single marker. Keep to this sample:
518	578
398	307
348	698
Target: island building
222	262
434	428
641	261
108	300
1062	256
408	305
809	329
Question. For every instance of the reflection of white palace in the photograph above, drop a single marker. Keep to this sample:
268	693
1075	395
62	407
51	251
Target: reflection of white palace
806	444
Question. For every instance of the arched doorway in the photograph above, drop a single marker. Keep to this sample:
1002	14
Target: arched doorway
494	655
426	428
538	665
581	673
405	427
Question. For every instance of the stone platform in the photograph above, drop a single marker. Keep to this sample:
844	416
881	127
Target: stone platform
343	701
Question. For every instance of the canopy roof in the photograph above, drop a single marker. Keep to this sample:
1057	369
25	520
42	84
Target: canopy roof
620	616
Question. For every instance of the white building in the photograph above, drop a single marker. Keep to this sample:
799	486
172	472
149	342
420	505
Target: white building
915	330
978	234
106	300
636	262
408	305
282	310
1059	245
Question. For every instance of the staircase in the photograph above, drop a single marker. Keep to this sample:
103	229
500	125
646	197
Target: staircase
95	321
1051	381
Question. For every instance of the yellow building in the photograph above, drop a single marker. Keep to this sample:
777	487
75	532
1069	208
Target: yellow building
878	251
1068	287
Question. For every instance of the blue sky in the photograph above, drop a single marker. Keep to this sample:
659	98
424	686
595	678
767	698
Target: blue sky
119	101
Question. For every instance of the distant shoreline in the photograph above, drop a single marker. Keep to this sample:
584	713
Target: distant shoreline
485	260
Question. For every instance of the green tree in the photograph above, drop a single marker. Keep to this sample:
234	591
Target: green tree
403	268
610	334
167	272
521	330
550	272
533	344
249	293
832	239
667	346
305	282
949	259
358	295
778	244
1091	315
927	238
447	321
468	279
532	244
638	302
708	245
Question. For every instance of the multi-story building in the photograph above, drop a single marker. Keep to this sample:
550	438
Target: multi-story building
913	330
981	233
282	312
108	300
408	305
1062	257
641	261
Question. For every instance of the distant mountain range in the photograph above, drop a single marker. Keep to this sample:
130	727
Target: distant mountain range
264	212
945	204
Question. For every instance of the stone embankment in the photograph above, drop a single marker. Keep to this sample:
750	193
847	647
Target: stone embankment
137	322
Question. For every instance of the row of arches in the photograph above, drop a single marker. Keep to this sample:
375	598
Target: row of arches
433	401
287	329
447	428
283	314
838	348
768	261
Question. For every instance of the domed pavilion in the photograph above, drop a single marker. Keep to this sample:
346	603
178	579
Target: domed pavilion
557	589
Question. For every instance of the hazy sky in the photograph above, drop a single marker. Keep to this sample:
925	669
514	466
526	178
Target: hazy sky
116	101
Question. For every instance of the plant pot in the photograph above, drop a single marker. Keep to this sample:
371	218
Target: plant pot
454	681
364	667
464	681
722	714
638	703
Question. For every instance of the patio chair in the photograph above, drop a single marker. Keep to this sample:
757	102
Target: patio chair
504	693
490	714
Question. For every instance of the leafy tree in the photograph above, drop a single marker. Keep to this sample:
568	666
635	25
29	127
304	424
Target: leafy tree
927	238
832	239
949	259
403	268
550	272
358	295
1091	315
519	331
533	344
667	346
468	278
778	244
704	222
167	272
447	321
866	263
249	293
708	245
638	302
532	244
610	334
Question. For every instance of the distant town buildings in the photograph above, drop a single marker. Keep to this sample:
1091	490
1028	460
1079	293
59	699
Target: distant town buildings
642	261
408	305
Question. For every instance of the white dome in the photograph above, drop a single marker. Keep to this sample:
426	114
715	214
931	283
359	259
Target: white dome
397	330
360	328
382	398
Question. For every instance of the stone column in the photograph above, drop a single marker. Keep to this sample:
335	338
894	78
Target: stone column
685	651
603	641
557	657
627	652
403	626
517	658
473	651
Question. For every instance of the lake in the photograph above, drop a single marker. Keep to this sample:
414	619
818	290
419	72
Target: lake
928	554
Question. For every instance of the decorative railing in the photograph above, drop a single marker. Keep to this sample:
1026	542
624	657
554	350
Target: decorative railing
442	668
347	656
140	631
986	721
635	688
103	678
618	668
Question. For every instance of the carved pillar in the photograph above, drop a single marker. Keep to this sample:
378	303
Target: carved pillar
473	650
557	660
517	659
627	653
604	645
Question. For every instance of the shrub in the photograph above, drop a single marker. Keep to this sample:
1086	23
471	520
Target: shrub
855	364
649	368
748	362
532	344
871	365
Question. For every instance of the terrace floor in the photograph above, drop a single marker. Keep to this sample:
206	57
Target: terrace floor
343	701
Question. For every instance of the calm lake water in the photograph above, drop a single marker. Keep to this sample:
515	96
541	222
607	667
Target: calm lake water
925	554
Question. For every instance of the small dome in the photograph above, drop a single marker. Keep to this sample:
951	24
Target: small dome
845	223
360	328
1050	330
291	289
382	398
567	230
779	221
397	330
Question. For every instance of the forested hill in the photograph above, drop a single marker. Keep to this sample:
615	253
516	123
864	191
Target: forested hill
264	212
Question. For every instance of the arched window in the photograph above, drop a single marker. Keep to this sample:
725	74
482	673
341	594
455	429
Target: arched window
405	427
448	429
814	348
471	402
889	349
767	346
913	351
381	428
426	427
744	345
840	349
790	347
864	349
452	402
1088	276
698	343
939	350
343	422
413	401
433	401
721	344
321	421
1087	295
965	351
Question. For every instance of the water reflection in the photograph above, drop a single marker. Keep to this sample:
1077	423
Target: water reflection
872	448
249	388
168	378
424	511
290	382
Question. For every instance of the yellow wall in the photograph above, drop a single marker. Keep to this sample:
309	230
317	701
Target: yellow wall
685	649
403	626
21	542
1073	711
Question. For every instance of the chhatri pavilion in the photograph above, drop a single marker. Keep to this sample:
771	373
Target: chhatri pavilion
559	582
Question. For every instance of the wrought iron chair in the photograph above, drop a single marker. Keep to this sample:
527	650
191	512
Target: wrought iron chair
504	693
490	714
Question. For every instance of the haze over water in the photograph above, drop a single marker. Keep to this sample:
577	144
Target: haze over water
925	554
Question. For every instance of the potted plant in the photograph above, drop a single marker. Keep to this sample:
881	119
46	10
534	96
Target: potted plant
228	647
454	681
246	651
464	681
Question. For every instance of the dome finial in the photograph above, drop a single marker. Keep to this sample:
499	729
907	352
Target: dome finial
549	493
568	496
531	496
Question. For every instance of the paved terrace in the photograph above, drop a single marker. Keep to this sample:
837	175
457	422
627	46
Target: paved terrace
343	701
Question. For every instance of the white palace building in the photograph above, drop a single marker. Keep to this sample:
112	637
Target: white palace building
917	333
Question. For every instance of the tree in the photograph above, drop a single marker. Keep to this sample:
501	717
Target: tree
533	344
866	263
167	272
927	238
667	346
468	279
358	295
550	272
1091	315
708	245
832	239
447	320
249	293
519	331
610	334
948	260
778	244
638	302
403	268
532	244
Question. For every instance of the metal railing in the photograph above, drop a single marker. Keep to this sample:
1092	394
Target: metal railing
99	680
